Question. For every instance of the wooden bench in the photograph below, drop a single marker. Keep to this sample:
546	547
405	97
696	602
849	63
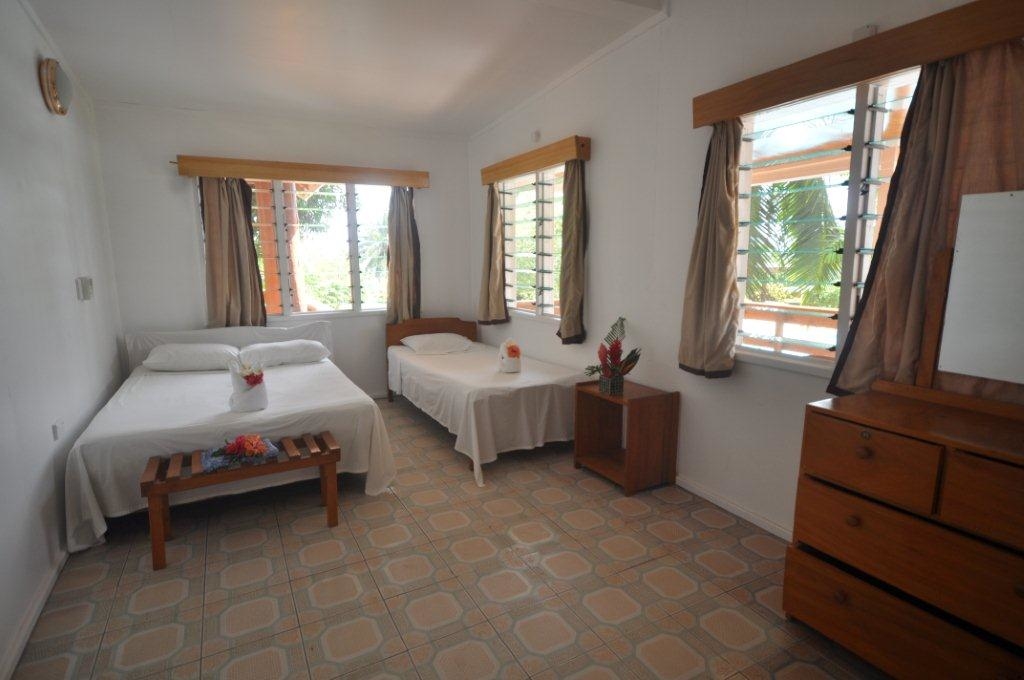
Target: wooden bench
183	471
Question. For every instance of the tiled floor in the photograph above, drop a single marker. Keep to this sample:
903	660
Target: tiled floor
546	572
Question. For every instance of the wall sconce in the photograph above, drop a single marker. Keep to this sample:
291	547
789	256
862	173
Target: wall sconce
56	86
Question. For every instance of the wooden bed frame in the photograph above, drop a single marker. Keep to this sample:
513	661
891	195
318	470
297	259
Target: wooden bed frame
394	332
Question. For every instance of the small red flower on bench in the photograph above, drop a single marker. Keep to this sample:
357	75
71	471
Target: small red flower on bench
247	445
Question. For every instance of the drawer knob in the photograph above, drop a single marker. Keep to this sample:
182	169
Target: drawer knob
840	597
853	520
864	452
865	434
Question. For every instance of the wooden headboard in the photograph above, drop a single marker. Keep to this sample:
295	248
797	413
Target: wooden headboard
446	324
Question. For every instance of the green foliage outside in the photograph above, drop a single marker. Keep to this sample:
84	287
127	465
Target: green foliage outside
793	238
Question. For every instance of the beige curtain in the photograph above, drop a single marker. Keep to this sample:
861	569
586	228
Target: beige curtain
574	250
493	308
234	293
403	258
711	304
964	134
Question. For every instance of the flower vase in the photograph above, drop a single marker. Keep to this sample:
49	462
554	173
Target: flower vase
613	385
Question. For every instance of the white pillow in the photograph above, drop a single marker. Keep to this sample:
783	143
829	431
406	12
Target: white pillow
199	356
268	354
437	343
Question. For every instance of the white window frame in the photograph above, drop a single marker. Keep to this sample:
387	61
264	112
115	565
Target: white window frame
863	183
544	284
283	259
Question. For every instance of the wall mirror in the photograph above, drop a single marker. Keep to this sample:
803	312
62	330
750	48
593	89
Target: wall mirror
983	331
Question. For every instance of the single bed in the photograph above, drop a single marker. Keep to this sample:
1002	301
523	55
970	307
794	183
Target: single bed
160	413
489	412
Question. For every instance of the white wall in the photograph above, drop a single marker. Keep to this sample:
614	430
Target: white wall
156	230
739	438
58	356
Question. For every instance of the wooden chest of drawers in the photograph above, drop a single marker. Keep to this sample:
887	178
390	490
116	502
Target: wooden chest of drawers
909	535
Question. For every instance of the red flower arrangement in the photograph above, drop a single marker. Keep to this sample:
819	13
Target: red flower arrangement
246	445
609	354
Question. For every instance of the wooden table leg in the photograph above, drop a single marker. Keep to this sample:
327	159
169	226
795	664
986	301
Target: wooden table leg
167	519
157	535
329	485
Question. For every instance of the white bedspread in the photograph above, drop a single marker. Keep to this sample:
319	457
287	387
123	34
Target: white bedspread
488	411
160	413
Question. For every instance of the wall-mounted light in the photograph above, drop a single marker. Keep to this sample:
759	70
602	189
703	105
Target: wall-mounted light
56	86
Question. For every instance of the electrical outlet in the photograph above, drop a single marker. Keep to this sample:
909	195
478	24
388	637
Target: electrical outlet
83	286
58	430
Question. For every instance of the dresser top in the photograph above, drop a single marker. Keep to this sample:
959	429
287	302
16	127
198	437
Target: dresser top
989	435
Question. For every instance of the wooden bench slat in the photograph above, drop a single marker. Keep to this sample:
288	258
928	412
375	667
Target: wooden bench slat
290	448
314	449
329	442
197	463
149	475
174	469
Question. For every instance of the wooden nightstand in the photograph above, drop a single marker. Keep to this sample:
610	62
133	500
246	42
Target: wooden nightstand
630	438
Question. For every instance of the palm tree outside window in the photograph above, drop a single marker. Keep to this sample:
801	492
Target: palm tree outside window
813	182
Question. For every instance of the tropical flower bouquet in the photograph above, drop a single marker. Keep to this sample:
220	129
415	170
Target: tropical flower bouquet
245	449
613	368
249	392
509	354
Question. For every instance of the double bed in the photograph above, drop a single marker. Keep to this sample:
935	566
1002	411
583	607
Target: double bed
161	412
489	412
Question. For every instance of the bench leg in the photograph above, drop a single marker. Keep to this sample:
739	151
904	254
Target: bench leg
329	491
157	529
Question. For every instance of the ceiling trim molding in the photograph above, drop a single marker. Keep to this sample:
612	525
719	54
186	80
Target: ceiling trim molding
940	36
211	166
570	148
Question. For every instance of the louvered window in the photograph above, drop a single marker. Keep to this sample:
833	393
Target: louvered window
814	179
532	212
321	247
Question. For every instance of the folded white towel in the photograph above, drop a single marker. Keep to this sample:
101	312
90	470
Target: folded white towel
245	397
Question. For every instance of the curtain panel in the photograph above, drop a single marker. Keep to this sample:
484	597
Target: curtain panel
574	249
964	134
711	303
492	308
403	258
234	292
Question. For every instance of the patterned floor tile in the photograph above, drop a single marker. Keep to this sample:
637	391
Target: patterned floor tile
397	667
60	623
664	650
160	594
322	551
83	580
225	580
545	635
351	641
280	657
63	657
395	532
246	618
409	570
152	647
506	589
599	663
476	653
473	553
330	593
433	612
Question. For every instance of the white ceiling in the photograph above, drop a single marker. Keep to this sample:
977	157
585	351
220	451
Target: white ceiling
440	66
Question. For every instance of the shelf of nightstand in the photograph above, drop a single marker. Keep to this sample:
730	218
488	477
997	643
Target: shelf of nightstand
630	439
